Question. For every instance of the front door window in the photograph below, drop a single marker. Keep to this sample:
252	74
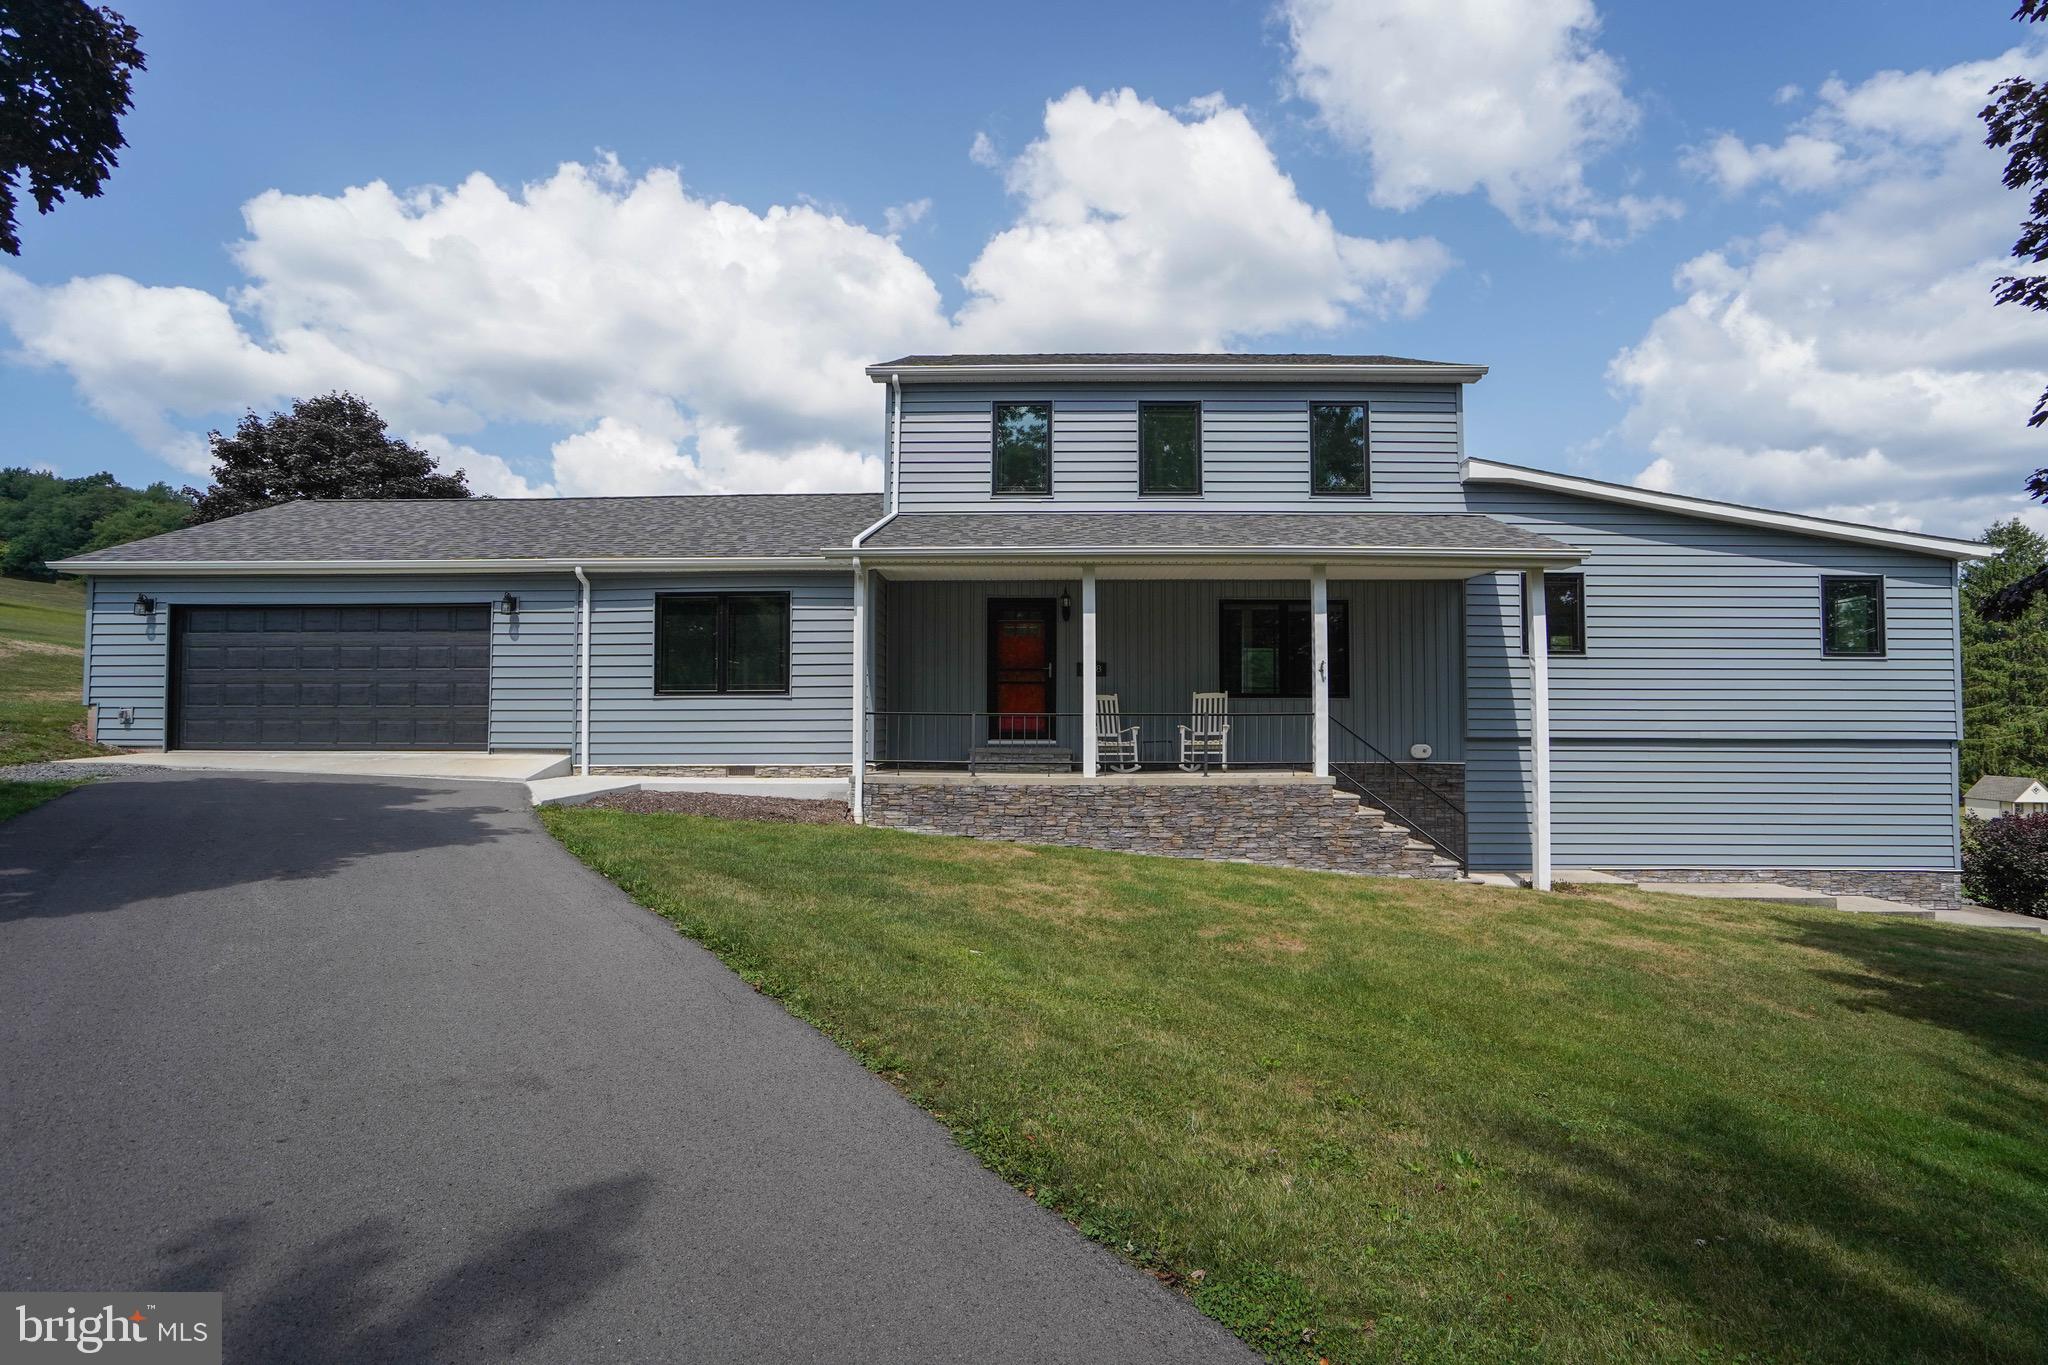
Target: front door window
1020	649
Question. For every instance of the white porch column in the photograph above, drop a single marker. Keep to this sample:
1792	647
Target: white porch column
1091	758
1539	728
860	689
1319	659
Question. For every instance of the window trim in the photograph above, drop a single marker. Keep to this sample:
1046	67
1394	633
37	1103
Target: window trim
1309	411
1522	591
724	646
995	490
1200	453
1286	604
1883	636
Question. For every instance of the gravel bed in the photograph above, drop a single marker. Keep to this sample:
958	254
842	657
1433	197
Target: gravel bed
780	809
75	772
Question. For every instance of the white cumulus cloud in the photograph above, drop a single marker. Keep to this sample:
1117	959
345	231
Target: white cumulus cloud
1445	97
1851	363
675	342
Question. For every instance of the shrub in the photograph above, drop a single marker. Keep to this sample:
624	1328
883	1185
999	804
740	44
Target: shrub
2005	862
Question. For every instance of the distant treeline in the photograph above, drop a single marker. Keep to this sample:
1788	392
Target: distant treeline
44	517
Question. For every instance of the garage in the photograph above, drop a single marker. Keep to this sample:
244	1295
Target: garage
331	677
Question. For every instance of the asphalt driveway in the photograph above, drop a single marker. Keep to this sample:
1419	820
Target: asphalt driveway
383	1064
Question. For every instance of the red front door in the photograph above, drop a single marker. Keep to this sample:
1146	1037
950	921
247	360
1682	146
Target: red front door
1020	669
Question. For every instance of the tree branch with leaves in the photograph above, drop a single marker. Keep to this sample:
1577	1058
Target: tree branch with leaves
65	74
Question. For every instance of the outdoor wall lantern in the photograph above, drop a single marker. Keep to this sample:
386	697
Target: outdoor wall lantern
1066	605
509	604
144	604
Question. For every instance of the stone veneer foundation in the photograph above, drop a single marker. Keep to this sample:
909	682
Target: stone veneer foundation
1285	821
1934	890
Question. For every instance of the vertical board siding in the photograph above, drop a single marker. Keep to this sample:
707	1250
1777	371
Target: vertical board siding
1703	726
1254	447
631	726
533	654
1157	644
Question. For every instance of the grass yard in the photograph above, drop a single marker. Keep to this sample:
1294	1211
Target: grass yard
42	648
16	797
1377	1120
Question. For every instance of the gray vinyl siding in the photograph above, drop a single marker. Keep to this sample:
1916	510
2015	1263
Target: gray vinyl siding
533	654
1157	642
631	726
1704	727
1254	447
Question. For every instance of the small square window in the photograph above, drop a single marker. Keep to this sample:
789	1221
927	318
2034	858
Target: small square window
1169	447
1022	448
1339	449
1564	612
1852	617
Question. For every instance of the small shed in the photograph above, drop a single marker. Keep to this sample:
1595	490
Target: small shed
1991	797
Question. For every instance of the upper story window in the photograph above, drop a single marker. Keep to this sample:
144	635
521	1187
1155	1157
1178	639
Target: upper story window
708	642
1852	617
1339	449
1022	450
1169	447
1564	612
1266	649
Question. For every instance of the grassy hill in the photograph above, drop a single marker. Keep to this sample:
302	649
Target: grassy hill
42	650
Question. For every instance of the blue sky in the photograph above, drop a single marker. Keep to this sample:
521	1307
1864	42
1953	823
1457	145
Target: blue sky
1690	260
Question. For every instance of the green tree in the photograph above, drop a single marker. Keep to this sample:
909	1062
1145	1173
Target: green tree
44	517
333	446
2016	123
2005	662
65	72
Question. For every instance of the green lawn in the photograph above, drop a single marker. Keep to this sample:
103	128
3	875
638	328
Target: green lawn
16	797
42	642
1376	1120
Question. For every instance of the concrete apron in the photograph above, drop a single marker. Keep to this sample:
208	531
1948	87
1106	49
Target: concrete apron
512	767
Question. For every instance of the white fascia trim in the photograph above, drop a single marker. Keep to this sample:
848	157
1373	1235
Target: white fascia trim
1293	374
1566	555
162	568
1489	471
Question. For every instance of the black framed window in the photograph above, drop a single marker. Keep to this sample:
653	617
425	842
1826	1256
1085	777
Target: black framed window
1564	611
1852	617
1267	649
1169	447
1339	449
707	642
1021	448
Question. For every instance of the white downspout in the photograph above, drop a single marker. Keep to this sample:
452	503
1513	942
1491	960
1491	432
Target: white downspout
583	677
860	700
895	474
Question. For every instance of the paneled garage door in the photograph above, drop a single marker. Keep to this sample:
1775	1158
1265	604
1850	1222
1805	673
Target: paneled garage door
332	677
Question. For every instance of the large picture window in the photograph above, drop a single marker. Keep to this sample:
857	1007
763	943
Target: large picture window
1169	447
1852	617
721	642
1022	456
1564	612
1267	649
1339	449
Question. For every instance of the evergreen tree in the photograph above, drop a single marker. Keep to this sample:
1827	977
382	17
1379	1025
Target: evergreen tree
2005	662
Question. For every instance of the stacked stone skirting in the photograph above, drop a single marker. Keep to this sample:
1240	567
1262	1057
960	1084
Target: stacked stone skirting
1935	890
726	770
1294	824
1430	795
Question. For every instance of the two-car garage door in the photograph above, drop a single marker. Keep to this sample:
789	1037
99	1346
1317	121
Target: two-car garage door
372	677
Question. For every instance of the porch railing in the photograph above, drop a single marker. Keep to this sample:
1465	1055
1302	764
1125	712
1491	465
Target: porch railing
1405	790
1051	741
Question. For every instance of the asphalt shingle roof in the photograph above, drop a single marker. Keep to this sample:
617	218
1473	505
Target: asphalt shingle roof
1999	789
738	525
1250	361
1357	531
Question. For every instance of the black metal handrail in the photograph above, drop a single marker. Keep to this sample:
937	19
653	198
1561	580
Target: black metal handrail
970	740
1396	807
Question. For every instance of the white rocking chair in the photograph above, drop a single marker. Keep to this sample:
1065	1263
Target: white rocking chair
1116	744
1207	739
